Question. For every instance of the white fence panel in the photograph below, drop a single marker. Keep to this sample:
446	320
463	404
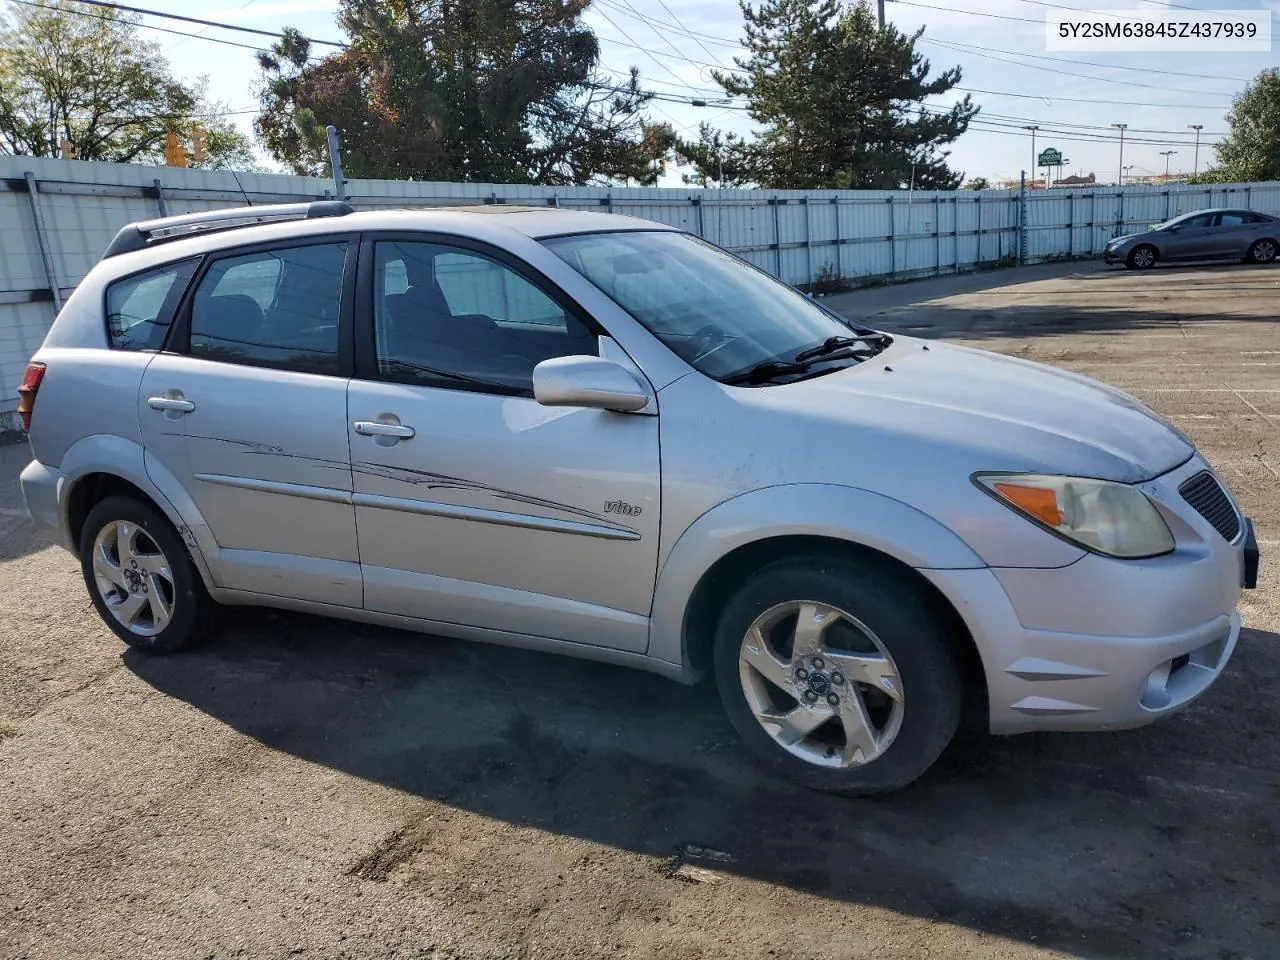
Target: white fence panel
804	237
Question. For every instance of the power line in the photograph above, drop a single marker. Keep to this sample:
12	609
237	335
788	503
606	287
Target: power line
201	31
1103	13
645	50
1089	126
145	26
692	34
1066	73
655	31
1091	63
1122	103
203	23
974	13
673	16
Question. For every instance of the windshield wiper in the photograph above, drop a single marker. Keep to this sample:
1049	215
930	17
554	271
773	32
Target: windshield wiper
762	372
770	369
832	344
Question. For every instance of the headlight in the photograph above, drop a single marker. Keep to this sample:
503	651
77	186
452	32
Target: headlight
1102	516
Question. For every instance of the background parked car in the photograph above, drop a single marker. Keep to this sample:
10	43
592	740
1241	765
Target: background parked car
1200	235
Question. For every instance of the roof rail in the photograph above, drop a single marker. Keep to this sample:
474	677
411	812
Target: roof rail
146	233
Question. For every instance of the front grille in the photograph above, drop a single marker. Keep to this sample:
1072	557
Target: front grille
1205	494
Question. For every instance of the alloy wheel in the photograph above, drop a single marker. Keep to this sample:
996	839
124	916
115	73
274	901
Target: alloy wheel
133	577
1264	251
1144	257
821	684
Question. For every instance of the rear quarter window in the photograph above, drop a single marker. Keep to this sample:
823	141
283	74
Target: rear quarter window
140	308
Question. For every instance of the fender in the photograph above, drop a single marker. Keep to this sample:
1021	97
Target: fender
126	459
832	511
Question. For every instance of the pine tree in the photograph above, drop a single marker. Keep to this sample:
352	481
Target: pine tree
841	101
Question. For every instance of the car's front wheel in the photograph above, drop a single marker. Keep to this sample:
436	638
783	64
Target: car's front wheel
141	578
838	674
1142	258
1264	251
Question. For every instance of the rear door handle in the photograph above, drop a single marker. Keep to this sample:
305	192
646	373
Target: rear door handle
372	428
171	404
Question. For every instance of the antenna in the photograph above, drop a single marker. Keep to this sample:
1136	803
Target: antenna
243	192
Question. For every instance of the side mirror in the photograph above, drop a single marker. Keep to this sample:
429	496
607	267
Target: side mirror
1175	229
588	382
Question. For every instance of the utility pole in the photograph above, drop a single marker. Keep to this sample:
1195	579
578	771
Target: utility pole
1197	127
880	10
1167	154
1033	130
1122	127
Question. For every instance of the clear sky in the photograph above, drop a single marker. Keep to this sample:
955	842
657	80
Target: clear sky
999	44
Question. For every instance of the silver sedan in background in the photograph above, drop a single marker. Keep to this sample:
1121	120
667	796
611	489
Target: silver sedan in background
1200	235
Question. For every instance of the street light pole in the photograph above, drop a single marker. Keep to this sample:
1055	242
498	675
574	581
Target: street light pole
1197	127
1122	127
1033	130
880	8
1167	154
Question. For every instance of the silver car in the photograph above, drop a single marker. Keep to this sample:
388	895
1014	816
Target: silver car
1200	235
598	436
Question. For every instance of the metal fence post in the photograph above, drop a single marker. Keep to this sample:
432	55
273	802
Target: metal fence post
977	209
42	238
1071	225
839	241
808	249
893	239
697	206
777	239
937	238
955	233
1022	220
159	197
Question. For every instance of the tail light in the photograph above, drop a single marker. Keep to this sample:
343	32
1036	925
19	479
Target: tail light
27	392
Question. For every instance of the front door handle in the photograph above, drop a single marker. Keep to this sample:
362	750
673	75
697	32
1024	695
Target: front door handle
373	428
171	404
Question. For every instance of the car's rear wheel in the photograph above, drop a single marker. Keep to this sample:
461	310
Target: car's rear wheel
1263	251
141	578
838	674
1142	258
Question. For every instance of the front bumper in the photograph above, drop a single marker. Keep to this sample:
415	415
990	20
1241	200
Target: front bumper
1111	256
1106	644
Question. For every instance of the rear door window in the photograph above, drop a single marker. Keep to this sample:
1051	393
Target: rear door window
141	308
272	308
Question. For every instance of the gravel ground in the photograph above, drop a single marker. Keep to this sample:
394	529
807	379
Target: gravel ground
305	788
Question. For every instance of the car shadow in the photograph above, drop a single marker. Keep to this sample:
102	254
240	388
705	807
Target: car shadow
1141	843
18	536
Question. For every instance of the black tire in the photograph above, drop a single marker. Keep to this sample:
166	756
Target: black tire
902	616
1264	251
193	612
1138	258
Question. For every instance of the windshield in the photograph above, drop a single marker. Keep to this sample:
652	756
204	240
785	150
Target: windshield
720	314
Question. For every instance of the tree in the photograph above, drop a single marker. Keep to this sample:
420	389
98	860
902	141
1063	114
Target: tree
1251	152
716	157
978	183
92	82
505	91
840	100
